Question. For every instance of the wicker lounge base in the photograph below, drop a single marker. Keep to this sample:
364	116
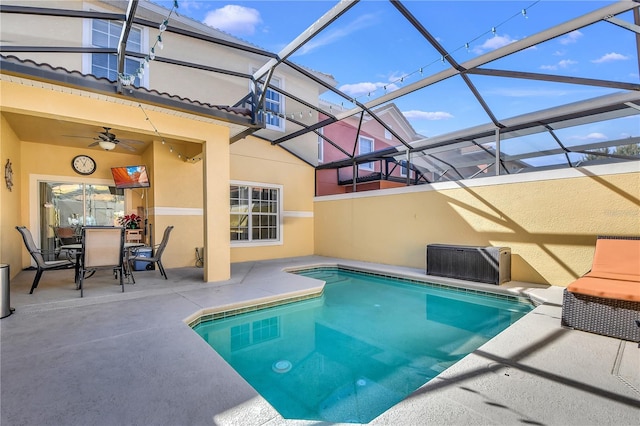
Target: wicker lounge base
609	317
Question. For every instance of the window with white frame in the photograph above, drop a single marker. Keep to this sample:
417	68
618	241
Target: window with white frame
274	106
320	145
255	213
387	134
403	168
107	34
365	146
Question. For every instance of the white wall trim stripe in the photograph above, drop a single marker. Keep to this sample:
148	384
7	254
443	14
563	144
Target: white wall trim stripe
297	214
176	211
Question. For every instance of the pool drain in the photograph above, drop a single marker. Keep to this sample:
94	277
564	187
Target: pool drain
281	366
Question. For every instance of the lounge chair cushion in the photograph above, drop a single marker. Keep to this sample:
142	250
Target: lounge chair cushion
616	256
607	288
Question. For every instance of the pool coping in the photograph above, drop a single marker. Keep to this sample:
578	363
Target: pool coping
252	305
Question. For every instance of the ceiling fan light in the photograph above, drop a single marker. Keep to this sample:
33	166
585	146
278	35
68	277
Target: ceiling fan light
107	145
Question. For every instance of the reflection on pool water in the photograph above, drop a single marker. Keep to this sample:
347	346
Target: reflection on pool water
363	346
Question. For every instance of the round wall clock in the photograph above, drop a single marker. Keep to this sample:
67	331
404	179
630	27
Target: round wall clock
83	164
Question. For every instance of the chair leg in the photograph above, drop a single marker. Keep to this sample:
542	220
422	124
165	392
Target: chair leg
81	279
162	272
122	277
36	280
130	272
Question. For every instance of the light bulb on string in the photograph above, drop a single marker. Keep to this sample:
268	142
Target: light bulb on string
163	26
466	46
160	43
494	31
152	54
524	13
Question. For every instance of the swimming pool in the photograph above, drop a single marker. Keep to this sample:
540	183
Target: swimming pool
367	343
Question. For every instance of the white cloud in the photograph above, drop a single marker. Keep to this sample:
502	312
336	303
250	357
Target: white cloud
373	88
493	43
590	136
333	35
364	88
236	20
571	38
565	63
609	57
427	115
559	53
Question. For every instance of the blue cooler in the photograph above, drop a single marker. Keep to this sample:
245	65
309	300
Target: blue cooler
143	266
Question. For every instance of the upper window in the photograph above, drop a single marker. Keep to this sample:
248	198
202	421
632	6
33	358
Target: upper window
274	106
403	167
255	213
107	34
365	146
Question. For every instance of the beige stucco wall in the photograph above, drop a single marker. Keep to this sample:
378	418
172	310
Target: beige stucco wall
550	223
259	162
10	199
177	195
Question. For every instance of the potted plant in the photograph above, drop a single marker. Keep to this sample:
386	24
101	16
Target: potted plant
130	221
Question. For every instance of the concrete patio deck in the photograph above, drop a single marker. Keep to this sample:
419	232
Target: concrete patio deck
115	358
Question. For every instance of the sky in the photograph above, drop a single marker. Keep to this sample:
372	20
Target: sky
372	50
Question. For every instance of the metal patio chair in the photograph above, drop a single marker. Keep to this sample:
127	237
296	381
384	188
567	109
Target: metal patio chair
102	248
155	258
38	256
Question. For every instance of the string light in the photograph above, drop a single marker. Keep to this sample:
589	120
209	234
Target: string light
128	79
163	142
467	46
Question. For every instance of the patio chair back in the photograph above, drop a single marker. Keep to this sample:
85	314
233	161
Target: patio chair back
41	264
65	234
102	248
163	243
157	256
33	250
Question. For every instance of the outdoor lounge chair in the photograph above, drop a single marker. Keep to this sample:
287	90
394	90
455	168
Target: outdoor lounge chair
606	300
38	255
102	248
157	255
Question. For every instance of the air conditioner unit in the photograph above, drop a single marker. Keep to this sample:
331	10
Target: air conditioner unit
482	264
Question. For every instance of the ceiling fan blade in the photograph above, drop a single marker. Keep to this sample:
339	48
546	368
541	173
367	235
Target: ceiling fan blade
131	141
94	144
125	146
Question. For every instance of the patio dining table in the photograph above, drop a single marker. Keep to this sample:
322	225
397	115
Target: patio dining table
77	249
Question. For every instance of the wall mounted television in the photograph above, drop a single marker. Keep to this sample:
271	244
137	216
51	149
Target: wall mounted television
130	177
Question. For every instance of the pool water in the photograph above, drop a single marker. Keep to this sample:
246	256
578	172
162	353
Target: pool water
366	344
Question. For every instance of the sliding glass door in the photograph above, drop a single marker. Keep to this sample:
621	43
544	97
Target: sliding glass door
66	207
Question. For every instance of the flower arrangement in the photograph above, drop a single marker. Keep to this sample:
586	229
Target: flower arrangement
130	221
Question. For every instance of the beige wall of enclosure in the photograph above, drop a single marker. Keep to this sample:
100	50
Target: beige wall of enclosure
550	220
256	162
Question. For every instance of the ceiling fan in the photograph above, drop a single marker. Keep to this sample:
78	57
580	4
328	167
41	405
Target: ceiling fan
108	141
